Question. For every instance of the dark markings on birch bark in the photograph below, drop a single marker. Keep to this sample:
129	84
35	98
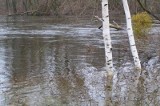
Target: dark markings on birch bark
133	45
109	60
105	4
129	18
110	49
107	16
129	29
100	27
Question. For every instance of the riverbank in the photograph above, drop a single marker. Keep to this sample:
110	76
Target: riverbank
77	8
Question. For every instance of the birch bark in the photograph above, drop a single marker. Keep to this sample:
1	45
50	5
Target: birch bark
107	37
131	35
108	51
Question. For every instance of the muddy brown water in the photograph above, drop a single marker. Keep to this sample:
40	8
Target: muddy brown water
45	61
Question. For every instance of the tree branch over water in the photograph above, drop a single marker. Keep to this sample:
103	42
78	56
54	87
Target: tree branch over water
148	11
115	25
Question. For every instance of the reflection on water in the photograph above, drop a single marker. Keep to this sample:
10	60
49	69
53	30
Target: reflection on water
39	63
45	62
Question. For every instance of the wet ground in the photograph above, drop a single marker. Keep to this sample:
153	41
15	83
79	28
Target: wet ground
55	62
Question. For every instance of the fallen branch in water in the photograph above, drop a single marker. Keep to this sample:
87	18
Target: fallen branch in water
115	25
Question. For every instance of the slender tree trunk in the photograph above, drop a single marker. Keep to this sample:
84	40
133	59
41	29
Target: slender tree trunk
25	5
131	35
14	5
107	37
108	52
8	6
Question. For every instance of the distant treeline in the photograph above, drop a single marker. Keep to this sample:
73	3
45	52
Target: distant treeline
70	7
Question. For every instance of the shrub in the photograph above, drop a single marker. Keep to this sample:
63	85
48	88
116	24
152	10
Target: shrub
142	23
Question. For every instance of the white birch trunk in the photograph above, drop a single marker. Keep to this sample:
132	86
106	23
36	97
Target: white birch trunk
131	35
108	51
107	37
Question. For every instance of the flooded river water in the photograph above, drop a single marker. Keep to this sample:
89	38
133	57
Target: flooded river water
55	62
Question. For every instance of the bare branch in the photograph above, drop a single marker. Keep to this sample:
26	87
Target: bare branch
115	25
149	12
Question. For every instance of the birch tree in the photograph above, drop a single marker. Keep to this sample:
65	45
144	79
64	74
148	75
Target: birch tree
108	51
107	37
131	35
